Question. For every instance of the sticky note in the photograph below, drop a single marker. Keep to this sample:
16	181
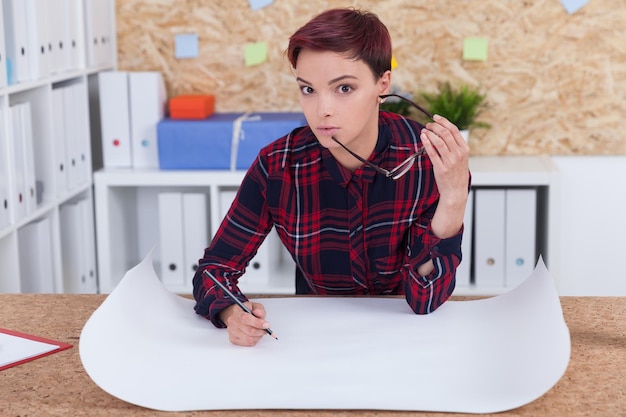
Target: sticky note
259	4
255	53
475	49
186	45
572	6
394	63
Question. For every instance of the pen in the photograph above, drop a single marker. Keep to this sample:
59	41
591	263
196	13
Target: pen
235	299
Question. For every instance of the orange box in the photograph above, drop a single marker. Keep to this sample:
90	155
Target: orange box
192	106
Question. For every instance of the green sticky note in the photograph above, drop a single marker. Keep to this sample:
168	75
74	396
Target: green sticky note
475	49
255	53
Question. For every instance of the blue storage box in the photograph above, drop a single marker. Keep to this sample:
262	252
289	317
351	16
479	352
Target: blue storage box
227	141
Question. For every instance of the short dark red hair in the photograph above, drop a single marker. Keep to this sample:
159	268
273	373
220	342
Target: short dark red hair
358	34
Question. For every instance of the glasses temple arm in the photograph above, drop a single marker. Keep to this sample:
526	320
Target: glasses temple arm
420	108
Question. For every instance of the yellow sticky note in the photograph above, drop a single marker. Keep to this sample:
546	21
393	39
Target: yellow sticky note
475	49
255	53
394	63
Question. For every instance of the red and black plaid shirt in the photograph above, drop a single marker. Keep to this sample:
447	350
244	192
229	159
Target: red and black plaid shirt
350	233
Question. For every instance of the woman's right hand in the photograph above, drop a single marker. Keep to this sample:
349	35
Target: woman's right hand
245	329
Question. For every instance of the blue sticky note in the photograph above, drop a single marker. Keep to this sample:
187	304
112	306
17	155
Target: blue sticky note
259	4
572	6
186	45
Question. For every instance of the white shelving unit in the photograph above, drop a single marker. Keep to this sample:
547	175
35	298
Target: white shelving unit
66	43
127	212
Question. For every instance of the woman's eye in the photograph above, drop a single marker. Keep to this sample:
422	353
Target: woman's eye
305	89
345	88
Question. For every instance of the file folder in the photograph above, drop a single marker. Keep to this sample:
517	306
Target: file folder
5	216
21	348
28	145
148	100
195	231
489	249
521	224
90	285
115	119
19	181
82	135
56	45
3	55
16	41
171	239
98	33
463	272
76	38
72	148
38	26
72	248
36	258
59	142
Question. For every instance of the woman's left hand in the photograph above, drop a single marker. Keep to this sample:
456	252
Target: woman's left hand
449	154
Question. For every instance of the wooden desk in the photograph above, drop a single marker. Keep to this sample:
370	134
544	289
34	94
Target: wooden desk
57	385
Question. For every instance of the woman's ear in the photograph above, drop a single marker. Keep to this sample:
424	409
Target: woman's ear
384	83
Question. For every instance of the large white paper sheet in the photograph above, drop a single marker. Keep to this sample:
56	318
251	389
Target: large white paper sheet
147	346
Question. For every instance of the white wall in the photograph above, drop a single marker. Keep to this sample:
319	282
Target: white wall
592	223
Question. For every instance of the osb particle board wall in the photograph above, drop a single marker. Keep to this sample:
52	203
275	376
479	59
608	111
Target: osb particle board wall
556	83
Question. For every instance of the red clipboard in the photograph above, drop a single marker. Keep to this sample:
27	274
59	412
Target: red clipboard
59	347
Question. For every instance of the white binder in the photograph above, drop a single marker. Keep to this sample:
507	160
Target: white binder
90	284
463	272
56	44
38	20
28	145
195	232
98	36
489	232
115	119
147	107
16	41
106	54
76	38
5	218
36	259
58	140
91	30
72	148
521	220
19	181
82	133
3	55
72	248
171	239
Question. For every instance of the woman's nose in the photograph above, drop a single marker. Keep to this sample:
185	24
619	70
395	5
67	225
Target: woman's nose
324	106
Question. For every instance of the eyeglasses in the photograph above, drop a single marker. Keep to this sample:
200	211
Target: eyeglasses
405	165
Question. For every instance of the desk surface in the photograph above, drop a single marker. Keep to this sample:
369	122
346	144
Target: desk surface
57	385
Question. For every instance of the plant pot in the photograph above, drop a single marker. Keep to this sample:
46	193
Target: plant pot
465	134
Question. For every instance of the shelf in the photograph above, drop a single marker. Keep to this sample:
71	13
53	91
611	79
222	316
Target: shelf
512	170
127	212
45	143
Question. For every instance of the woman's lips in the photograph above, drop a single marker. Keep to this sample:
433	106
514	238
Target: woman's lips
327	130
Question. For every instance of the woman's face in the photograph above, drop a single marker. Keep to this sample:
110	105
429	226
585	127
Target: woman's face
339	97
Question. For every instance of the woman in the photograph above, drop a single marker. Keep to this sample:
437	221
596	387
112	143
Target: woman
353	224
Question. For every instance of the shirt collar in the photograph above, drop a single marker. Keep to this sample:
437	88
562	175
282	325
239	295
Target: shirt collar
343	176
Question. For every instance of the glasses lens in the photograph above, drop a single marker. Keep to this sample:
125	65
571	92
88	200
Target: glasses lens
403	168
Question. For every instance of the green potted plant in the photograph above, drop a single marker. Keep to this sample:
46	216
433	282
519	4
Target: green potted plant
461	105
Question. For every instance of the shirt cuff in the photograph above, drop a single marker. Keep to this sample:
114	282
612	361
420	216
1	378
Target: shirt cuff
445	247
